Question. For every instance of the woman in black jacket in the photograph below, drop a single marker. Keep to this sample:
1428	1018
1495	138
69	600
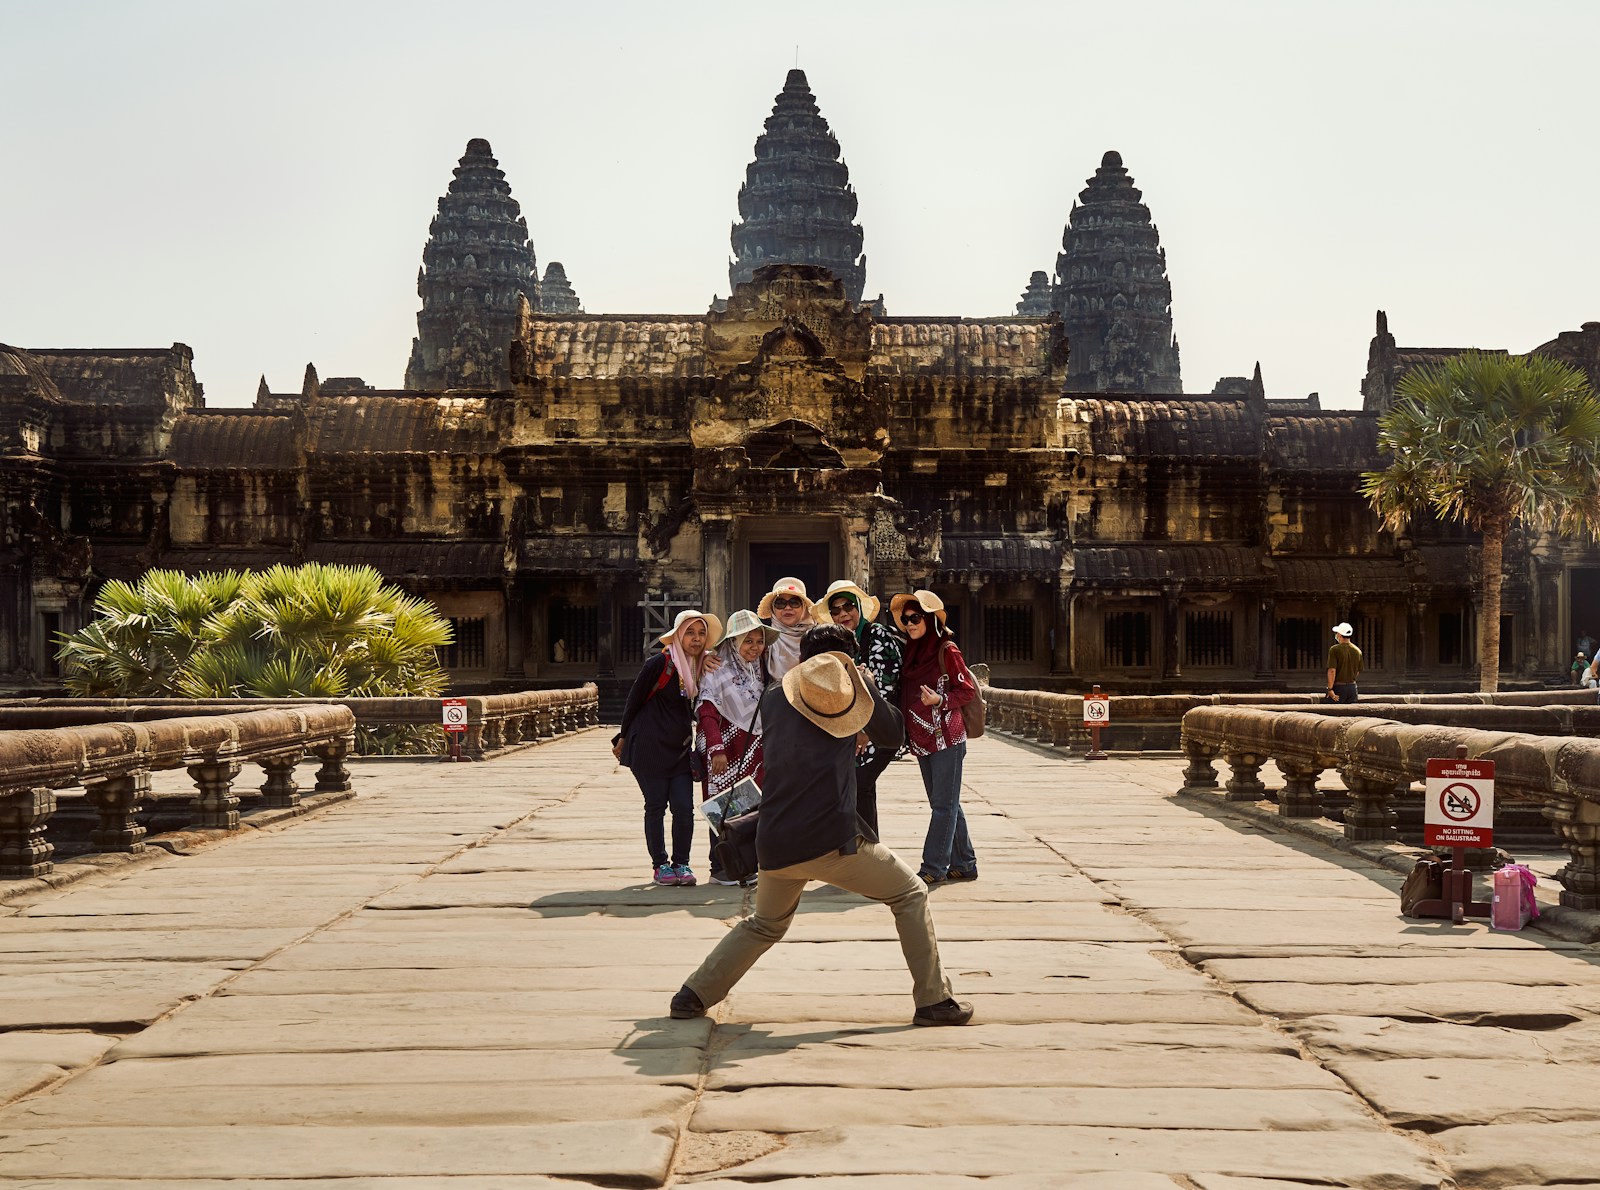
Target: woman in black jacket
657	737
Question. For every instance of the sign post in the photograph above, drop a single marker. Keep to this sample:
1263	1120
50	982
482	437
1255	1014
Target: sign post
1459	813
1096	714
454	713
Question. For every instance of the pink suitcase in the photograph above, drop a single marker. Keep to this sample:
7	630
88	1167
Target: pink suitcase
1514	904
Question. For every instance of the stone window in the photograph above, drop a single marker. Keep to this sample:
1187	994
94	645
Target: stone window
469	649
574	633
1208	638
1126	640
632	643
1369	639
1301	643
1008	632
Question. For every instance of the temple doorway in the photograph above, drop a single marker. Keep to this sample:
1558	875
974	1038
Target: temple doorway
1585	608
807	561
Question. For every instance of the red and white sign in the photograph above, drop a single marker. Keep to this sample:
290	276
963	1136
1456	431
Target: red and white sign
455	714
1096	711
1459	804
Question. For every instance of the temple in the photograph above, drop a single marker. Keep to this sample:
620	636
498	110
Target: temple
561	483
476	267
1112	292
796	205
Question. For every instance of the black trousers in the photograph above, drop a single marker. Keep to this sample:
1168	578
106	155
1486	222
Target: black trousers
867	787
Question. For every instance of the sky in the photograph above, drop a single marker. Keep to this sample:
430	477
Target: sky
256	179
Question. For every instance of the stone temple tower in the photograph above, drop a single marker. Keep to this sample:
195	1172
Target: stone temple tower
476	265
1112	292
796	205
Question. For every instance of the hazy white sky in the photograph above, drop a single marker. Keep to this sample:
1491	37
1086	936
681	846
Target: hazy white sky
256	179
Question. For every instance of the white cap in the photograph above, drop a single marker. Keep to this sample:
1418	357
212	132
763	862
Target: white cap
1343	629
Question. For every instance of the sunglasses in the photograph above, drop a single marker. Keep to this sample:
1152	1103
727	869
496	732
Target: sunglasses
911	618
841	608
788	601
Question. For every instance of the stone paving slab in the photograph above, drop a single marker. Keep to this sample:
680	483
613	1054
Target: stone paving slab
1118	1180
1533	1154
1523	968
1434	1093
1383	1037
402	1182
1464	1002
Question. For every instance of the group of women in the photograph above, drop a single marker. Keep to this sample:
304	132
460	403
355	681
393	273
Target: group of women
693	715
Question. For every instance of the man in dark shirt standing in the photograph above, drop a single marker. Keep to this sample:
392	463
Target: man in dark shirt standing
1344	665
809	830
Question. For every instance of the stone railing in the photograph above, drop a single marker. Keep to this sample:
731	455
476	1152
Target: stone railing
113	763
1379	759
1153	722
494	721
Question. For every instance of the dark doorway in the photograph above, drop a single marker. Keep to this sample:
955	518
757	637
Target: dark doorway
772	560
1585	609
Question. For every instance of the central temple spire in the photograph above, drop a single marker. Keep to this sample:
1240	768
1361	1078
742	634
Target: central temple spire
796	205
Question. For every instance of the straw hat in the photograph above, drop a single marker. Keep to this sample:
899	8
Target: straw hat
927	600
829	691
869	605
1343	629
784	586
743	621
713	627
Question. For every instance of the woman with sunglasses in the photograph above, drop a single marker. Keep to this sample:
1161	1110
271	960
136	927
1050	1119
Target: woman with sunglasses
934	685
881	651
657	736
788	607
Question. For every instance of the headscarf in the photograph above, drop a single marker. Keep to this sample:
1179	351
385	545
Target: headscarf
689	672
922	659
784	653
861	614
735	687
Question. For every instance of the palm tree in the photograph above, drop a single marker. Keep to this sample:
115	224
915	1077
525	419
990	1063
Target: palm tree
287	632
1490	440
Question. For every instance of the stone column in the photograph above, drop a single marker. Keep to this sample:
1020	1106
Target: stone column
1416	644
1200	772
1300	797
1171	664
975	649
117	799
605	661
1578	824
717	554
1065	656
333	776
1266	641
516	628
23	850
279	791
1370	818
216	806
1245	783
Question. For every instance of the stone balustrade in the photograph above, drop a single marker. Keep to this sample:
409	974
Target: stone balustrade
494	721
113	763
1140	722
1379	759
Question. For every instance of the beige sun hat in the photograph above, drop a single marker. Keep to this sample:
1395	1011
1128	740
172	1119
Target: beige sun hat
713	626
927	600
744	621
828	690
869	605
784	586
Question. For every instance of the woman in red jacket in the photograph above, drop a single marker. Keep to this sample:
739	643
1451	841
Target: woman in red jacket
934	685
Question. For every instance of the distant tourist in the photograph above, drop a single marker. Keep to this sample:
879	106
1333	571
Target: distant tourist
729	711
809	830
1344	665
1586	643
1580	667
789	609
934	685
882	652
657	737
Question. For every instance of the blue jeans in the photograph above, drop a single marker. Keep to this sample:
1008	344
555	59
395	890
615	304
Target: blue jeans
676	791
1344	692
947	844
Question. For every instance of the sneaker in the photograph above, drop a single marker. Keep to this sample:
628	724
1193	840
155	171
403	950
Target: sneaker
725	882
685	875
686	1005
956	875
666	874
946	1012
930	878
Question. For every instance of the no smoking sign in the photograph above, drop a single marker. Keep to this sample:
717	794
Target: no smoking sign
1459	804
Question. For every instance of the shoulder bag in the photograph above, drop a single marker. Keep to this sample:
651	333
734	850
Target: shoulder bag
972	712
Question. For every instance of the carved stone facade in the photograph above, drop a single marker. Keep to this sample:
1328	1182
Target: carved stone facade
1112	292
566	495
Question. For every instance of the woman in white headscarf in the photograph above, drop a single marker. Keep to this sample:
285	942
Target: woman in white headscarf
789	608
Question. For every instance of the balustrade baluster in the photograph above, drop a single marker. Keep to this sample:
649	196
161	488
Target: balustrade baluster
280	790
24	814
117	799
216	806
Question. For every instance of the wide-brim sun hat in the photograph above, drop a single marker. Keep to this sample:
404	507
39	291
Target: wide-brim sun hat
926	600
868	605
829	691
744	621
1343	629
784	586
713	626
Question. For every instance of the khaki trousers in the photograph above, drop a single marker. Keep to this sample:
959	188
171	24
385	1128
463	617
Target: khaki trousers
873	871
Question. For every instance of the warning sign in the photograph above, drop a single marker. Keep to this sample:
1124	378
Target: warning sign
1459	804
455	714
1096	711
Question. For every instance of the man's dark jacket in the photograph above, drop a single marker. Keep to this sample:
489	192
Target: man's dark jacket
808	804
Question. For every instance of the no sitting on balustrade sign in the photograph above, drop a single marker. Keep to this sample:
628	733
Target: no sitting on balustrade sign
1460	804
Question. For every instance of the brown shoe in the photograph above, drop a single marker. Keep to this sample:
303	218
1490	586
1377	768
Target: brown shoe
947	1012
686	1005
